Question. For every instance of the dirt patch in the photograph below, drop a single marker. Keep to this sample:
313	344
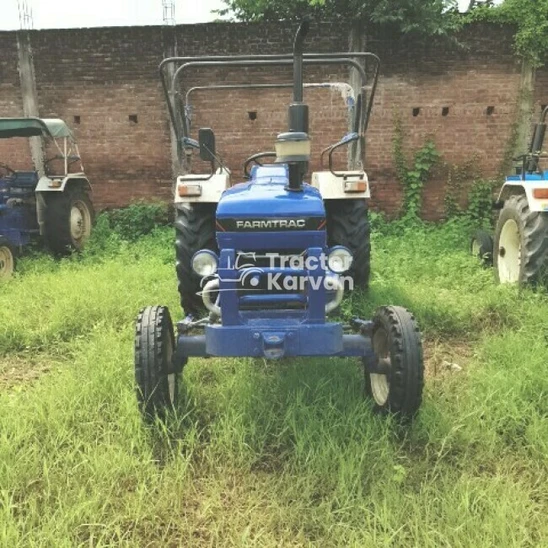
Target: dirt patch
17	370
446	357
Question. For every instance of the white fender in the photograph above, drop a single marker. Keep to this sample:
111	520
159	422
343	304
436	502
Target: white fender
58	184
510	188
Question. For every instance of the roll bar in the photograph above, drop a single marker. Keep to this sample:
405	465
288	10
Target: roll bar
172	68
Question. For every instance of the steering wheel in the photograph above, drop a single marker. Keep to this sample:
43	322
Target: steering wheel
255	160
7	168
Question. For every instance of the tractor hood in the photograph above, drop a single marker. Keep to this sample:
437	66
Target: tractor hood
266	199
263	214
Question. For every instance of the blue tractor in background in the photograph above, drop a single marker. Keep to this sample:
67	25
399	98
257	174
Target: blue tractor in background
52	202
262	264
519	249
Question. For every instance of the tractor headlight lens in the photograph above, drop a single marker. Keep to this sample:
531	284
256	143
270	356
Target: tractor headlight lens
205	263
339	259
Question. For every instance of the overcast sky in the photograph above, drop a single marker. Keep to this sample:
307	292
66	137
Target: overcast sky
98	13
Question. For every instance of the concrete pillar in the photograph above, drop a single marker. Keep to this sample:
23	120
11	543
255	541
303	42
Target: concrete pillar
525	108
29	95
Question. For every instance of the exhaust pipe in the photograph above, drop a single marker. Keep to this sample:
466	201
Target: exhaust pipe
298	111
298	48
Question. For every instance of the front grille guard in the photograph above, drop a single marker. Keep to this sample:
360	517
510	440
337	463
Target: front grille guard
288	299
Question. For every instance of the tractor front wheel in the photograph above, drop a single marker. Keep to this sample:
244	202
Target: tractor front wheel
155	375
396	380
68	219
348	225
7	258
521	243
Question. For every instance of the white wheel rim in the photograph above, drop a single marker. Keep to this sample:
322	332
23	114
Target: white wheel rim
380	388
6	262
476	248
380	384
171	384
80	221
171	378
509	253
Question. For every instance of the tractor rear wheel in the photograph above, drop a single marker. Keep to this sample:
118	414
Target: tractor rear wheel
7	259
195	230
521	243
481	247
68	219
396	381
156	378
348	225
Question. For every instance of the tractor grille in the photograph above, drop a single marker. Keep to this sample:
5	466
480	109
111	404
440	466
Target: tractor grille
254	280
268	259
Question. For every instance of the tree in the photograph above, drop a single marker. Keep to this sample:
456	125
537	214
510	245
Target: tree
531	19
426	17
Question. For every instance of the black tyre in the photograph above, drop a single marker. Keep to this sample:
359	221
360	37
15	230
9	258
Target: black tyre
68	220
7	259
156	378
194	230
395	383
481	247
348	225
521	243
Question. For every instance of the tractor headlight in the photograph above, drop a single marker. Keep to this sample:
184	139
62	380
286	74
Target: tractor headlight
339	259
205	263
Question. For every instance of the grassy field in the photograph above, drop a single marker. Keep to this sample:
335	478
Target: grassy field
271	454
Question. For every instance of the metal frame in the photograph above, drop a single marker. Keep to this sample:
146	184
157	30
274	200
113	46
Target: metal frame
67	151
178	110
65	155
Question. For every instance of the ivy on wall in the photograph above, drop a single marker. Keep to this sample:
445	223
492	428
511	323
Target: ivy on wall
460	178
412	174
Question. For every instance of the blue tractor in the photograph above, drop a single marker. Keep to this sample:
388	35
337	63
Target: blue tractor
262	264
54	204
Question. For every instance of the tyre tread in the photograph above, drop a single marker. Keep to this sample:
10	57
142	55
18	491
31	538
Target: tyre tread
348	225
194	230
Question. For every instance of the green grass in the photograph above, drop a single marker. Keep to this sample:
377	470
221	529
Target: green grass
270	454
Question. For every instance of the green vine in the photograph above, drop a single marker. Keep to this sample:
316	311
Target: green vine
458	177
414	176
479	194
480	202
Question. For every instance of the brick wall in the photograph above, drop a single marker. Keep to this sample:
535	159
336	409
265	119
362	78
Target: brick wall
419	82
15	152
105	76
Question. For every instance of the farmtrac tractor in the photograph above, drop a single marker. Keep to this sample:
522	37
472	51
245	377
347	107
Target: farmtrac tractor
272	255
520	249
56	205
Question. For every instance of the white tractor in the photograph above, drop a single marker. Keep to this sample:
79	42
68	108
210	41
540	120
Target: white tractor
519	249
